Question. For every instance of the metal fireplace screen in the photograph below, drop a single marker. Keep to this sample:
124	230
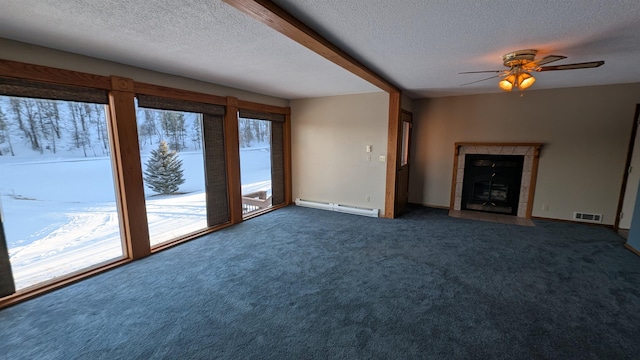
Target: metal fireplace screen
491	183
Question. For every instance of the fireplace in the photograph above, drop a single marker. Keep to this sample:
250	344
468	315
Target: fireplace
491	183
511	189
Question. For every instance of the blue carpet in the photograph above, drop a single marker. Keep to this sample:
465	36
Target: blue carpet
301	283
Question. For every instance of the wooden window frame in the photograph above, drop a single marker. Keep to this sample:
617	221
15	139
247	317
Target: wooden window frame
215	167
127	164
282	120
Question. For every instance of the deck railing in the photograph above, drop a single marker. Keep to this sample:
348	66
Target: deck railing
255	201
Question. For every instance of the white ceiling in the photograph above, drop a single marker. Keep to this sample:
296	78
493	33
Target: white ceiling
418	45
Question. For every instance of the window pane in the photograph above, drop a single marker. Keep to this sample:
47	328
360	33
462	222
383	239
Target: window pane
56	188
255	164
173	165
406	128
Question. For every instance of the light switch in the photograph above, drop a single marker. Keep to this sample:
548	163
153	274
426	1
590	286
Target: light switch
368	148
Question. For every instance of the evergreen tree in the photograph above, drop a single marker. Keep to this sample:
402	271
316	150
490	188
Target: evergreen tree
173	126
196	132
5	135
164	170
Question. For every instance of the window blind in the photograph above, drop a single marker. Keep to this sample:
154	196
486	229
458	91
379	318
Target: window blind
7	286
41	90
260	115
215	170
155	102
277	163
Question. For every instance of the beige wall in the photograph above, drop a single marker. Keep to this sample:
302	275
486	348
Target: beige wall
33	54
406	103
329	139
586	132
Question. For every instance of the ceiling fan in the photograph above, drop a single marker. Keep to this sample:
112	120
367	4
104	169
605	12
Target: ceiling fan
521	63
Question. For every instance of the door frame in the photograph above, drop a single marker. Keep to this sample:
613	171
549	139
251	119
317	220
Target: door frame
625	176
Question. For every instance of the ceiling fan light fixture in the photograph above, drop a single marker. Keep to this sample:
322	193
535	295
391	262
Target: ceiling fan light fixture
522	62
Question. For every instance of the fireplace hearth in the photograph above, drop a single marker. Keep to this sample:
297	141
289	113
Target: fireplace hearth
491	183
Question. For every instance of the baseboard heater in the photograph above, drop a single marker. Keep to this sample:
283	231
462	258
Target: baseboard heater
315	204
338	207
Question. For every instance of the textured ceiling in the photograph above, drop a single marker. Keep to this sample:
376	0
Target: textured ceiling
423	45
201	39
420	46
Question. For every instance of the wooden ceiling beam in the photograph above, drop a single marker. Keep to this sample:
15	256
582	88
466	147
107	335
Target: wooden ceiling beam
278	19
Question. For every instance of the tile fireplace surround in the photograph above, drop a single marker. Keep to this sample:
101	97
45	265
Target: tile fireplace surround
531	152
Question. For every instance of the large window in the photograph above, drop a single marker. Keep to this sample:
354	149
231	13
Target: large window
255	164
78	187
173	165
57	198
180	169
261	160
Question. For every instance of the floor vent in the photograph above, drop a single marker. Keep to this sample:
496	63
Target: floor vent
586	217
338	207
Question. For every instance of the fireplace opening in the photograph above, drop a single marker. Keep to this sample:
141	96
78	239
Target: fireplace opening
491	183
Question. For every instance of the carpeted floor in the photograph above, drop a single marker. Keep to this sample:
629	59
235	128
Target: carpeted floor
303	284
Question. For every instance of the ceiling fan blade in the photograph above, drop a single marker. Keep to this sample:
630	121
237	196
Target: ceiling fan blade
584	65
477	81
483	71
548	59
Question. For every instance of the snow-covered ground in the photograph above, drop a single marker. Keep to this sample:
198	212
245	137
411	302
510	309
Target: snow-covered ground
60	215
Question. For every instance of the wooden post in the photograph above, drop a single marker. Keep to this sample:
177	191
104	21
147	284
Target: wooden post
232	145
393	146
126	158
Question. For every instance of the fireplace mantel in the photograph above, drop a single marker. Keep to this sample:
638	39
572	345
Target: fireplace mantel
531	153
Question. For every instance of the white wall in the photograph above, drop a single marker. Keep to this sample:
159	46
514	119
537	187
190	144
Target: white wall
586	132
329	136
33	54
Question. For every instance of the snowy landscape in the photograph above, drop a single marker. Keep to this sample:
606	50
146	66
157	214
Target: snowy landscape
57	199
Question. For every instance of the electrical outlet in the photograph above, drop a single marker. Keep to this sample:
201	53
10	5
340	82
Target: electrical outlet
382	158
368	157
367	198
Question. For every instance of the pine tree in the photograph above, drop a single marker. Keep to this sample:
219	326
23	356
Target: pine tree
164	170
5	135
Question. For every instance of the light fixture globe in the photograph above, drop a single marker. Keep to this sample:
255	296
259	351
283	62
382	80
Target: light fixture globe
516	78
507	83
525	80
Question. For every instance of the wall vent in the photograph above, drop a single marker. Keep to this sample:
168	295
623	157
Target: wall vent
338	207
587	217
